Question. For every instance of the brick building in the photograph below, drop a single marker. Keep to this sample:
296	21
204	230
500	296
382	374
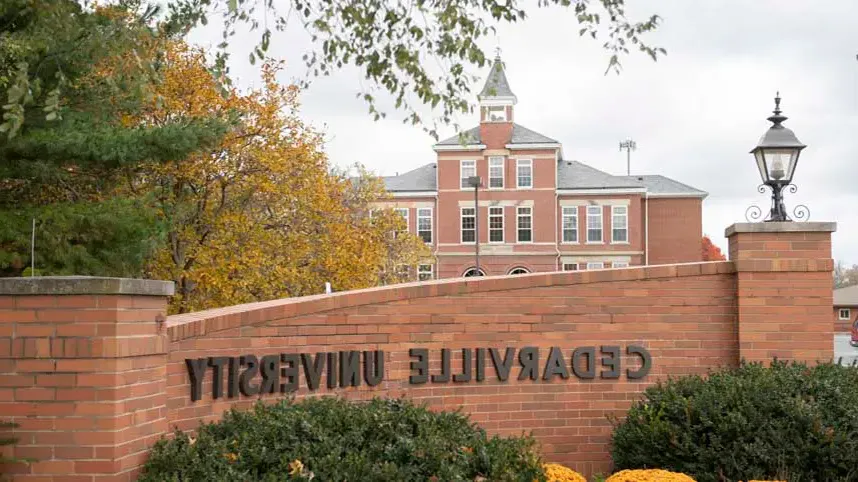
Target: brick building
538	211
845	308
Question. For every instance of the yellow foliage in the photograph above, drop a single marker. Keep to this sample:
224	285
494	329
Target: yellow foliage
652	475
261	216
560	473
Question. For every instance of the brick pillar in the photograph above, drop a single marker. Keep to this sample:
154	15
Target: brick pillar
785	288
83	373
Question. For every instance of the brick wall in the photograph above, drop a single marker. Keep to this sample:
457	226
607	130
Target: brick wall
675	230
845	326
93	377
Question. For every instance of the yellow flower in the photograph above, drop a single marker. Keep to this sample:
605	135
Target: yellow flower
559	473
653	475
231	457
296	467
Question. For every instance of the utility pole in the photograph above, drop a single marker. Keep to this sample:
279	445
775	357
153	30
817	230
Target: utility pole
475	181
33	250
629	145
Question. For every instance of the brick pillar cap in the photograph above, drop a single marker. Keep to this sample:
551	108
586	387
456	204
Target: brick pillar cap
84	285
784	227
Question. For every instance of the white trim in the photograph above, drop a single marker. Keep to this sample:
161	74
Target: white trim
494	101
462	231
601	225
679	195
414	194
547	145
503	224
511	254
407	213
532	230
595	265
459	147
563	267
431	271
431	224
646	229
492	203
516	268
481	271
461	173
591	202
622	190
563	229
840	314
498	245
503	173
625	255
518	164
614	215
603	258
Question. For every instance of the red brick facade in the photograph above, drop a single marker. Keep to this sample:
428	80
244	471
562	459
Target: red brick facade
94	379
661	218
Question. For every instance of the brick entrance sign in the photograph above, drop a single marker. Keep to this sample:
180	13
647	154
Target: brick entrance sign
94	373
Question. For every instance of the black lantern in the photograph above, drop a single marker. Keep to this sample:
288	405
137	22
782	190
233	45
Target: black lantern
777	155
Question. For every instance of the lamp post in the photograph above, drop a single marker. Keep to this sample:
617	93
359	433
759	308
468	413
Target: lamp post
476	181
776	156
629	145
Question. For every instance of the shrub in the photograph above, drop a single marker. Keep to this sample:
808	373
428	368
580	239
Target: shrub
333	439
652	475
785	422
559	473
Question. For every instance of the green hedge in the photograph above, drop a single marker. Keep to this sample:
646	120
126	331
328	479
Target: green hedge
332	439
787	422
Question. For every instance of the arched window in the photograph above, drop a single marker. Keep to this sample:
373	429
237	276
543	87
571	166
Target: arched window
519	270
473	272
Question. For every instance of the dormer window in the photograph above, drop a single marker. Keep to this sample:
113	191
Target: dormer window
496	113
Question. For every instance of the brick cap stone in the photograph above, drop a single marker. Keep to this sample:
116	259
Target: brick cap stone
84	285
781	227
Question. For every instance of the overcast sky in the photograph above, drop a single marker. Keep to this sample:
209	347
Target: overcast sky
694	114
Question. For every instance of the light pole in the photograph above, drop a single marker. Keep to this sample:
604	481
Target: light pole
629	145
476	181
777	155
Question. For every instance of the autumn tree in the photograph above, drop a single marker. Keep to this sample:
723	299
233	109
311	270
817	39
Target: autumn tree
69	72
261	215
710	251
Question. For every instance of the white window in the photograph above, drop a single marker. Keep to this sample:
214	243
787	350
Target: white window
496	224
570	224
570	266
519	270
424	224
496	172
598	265
424	272
619	264
843	313
594	224
469	225
524	225
524	173
496	114
404	213
473	272
466	170
619	224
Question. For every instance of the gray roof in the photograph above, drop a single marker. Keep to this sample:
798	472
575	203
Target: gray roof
576	175
520	135
658	184
570	175
423	178
496	83
847	296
